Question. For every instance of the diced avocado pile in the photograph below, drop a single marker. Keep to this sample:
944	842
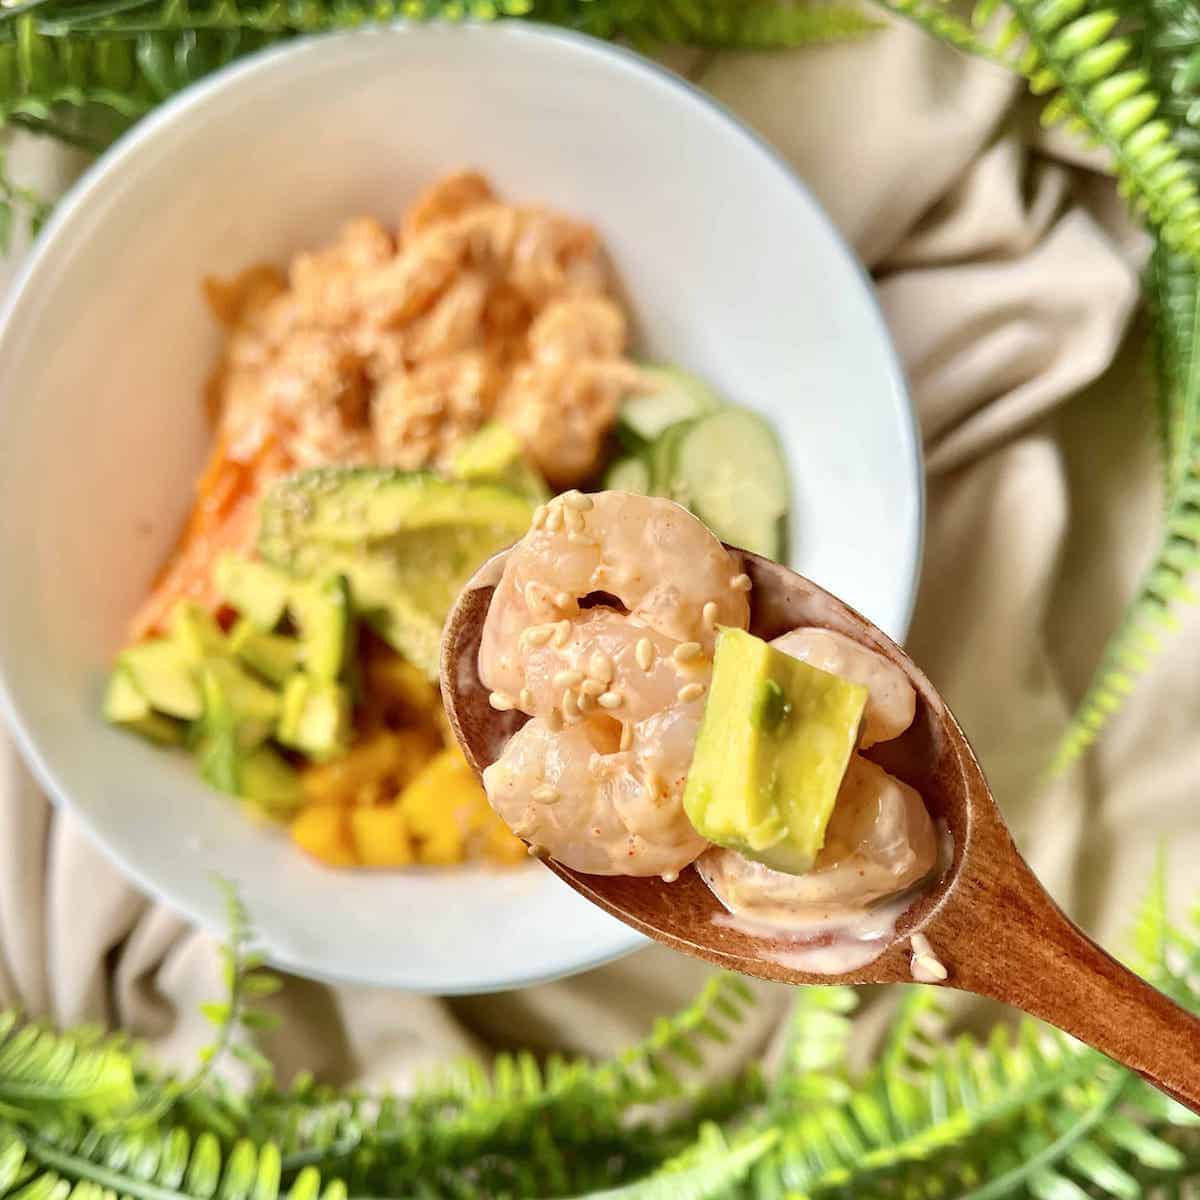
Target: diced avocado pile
721	461
774	744
387	547
227	696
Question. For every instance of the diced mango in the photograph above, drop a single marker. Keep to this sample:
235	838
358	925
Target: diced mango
381	836
396	757
324	832
438	804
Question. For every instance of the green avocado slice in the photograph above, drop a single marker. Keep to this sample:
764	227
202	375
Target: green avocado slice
774	744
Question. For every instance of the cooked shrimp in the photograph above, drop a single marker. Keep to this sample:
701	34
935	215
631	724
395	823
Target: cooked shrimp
604	794
891	700
880	840
589	808
664	568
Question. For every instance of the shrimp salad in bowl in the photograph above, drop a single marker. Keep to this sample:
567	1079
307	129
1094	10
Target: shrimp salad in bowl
387	413
662	734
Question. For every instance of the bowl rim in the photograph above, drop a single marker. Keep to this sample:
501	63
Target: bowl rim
160	121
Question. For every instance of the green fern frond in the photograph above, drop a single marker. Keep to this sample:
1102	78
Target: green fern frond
42	1072
1074	54
144	1165
813	1064
710	1168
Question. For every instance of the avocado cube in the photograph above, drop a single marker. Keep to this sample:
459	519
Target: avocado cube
322	612
165	675
494	454
270	783
195	631
216	735
273	655
123	702
315	718
774	743
259	592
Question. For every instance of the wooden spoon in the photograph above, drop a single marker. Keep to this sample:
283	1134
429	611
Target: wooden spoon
988	919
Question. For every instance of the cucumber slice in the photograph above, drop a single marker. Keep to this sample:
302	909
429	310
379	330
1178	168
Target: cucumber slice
672	395
629	474
730	467
665	478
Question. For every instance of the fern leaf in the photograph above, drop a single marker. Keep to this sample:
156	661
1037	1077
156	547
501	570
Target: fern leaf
708	1170
42	1072
813	1066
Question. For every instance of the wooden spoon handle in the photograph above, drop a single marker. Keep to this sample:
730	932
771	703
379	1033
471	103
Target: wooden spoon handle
1005	938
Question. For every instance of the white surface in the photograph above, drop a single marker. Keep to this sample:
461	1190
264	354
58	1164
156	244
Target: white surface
733	271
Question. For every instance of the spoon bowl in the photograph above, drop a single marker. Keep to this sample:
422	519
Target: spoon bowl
990	923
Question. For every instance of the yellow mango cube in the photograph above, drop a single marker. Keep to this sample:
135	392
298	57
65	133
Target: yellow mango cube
323	831
381	836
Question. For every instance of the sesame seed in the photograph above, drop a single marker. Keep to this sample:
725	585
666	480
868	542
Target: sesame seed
568	679
932	967
554	519
600	667
610	700
546	794
670	876
501	701
584	701
537	635
578	501
592	687
562	633
539	516
536	851
570	707
740	583
526	699
532	599
573	520
686	651
564	600
644	653
554	721
709	614
690	692
626	736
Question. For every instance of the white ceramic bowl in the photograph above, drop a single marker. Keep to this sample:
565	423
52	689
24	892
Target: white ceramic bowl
732	269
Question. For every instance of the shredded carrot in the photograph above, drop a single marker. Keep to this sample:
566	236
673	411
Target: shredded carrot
224	517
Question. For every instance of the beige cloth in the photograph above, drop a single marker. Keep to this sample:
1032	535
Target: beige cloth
1008	276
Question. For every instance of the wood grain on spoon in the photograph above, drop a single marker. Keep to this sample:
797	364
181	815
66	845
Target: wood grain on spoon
989	920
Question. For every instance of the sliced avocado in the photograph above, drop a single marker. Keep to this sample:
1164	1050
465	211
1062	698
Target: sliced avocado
248	699
305	515
269	782
315	718
157	728
322	613
165	676
773	746
273	655
124	705
123	702
493	454
195	631
406	543
257	590
216	736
